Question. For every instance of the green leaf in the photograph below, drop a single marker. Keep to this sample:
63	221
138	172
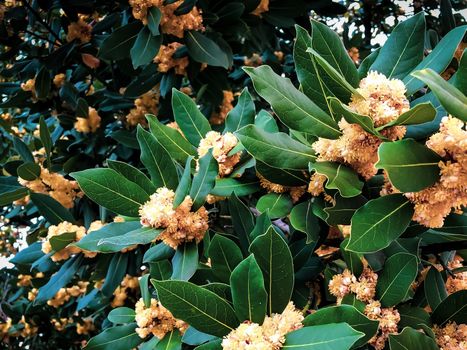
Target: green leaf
277	205
191	121
50	209
435	289
61	241
364	67
212	345
453	308
154	19
115	338
339	177
225	186
413	316
45	138
352	260
145	48
29	171
194	337
410	166
451	98
242	220
242	114
204	180
225	256
183	188
277	150
43	83
115	273
379	222
323	337
58	280
113	191
411	339
22	150
157	160
266	122
204	50
133	174
421	113
144	288
403	50
200	308
394	282
122	315
292	107
275	260
173	142
438	59
347	314
89	242
342	211
185	262
171	341
142	235
118	44
248	294
303	219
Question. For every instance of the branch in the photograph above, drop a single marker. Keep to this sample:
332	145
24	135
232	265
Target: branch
45	24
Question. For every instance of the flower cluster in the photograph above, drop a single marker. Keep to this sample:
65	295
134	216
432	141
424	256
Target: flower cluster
388	319
65	227
145	104
26	331
295	191
219	116
170	23
59	80
85	326
434	203
262	7
180	224
269	335
89	124
56	186
383	100
221	145
156	320
166	61
458	281
451	337
79	30
29	85
128	284
65	294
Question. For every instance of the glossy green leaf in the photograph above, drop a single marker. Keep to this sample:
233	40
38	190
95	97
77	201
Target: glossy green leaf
194	337
451	98
225	256
115	273
142	235
184	187
212	345
43	83
171	341
242	220
266	122
145	48
59	242
185	261
342	211
421	113
157	160
204	180
118	44
133	174
339	177
242	114
191	121
115	338
45	138
394	282
303	219
225	186
347	314
204	50
413	316
410	166
453	308
365	65
403	50
411	339
277	205
322	337
380	221
354	261
248	294
154	19
276	150
435	289
275	260
197	306
144	288
113	191
292	107
281	176
50	209
29	171
121	315
22	149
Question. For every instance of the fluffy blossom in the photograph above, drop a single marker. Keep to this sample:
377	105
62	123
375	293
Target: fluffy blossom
388	319
221	145
65	294
268	336
451	337
364	287
295	191
459	280
79	30
145	104
156	320
59	80
89	124
218	117
383	100
180	225
170	23
128	284
166	61
55	185
262	7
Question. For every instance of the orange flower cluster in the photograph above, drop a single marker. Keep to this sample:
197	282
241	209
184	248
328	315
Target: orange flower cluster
459	280
145	104
180	225
166	62
121	293
156	320
221	145
451	337
79	30
56	186
28	329
295	191
59	80
388	319
63	295
262	7
61	323
89	124
270	335
170	22
434	203
218	118
29	85
85	326
354	54
254	61
383	100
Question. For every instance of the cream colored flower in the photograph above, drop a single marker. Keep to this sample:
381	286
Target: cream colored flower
221	145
